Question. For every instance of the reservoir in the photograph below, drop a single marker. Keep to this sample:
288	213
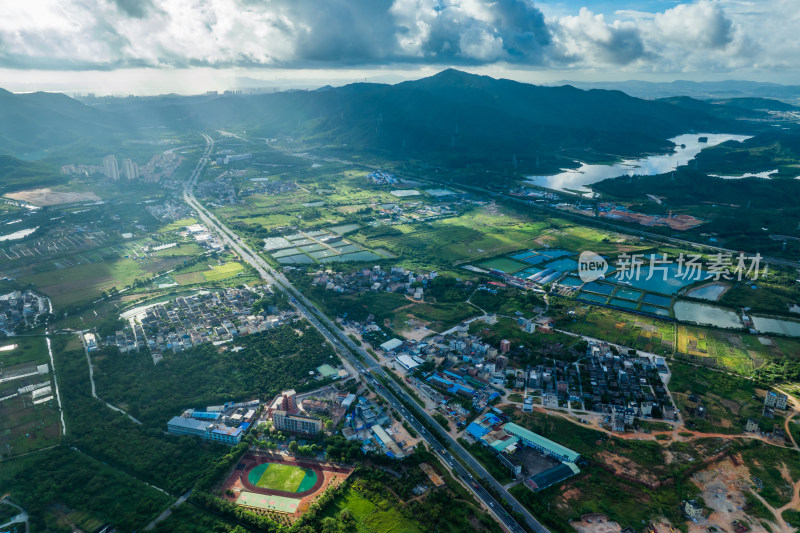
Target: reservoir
578	179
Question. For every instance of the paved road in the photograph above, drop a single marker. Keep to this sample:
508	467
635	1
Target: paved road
366	366
168	511
22	517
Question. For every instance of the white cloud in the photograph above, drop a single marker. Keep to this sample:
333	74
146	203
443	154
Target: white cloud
697	36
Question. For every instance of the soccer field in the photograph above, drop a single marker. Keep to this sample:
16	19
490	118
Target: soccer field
282	477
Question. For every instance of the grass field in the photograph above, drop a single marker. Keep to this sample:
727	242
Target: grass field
729	400
29	349
228	270
287	478
375	517
635	331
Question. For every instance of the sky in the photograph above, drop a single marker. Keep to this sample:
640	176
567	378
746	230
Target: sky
190	46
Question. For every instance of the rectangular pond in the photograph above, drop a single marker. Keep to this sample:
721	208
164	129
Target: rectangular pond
625	304
778	326
589	297
564	265
655	299
601	288
628	294
707	315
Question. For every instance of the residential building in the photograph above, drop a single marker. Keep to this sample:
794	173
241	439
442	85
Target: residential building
751	426
549	400
130	169
296	423
505	346
776	400
527	404
693	510
110	167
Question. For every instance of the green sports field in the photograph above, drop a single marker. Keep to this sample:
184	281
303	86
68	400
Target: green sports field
287	478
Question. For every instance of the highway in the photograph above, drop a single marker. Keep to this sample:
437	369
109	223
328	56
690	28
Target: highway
366	366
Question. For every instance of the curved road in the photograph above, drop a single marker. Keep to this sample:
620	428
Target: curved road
367	366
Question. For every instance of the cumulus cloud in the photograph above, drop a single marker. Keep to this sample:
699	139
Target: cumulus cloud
703	25
698	35
588	38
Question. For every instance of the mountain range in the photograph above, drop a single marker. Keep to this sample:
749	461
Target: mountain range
453	117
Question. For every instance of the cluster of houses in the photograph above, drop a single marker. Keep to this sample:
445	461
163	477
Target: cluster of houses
186	321
20	307
221	191
377	279
170	210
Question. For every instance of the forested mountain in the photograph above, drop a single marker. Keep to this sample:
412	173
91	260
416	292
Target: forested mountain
451	116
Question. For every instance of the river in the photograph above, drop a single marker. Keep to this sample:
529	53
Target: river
578	179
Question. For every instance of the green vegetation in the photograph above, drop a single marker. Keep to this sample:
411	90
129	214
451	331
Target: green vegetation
191	519
144	452
269	362
59	481
442	420
768	463
729	400
489	461
654	487
530	348
376	502
638	332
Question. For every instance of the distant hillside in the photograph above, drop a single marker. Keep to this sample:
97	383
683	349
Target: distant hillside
42	121
454	117
705	90
16	174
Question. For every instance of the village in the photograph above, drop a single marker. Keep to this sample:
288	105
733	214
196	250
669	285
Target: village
187	321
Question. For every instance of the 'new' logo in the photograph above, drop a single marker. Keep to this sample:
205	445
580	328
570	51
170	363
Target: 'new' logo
591	266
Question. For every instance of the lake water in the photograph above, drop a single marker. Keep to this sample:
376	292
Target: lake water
17	234
778	326
707	315
577	179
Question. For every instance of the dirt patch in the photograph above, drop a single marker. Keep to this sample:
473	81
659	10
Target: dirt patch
595	523
50	197
724	485
623	465
731	405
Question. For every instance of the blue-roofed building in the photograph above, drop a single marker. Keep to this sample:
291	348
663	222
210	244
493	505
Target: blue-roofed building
204	415
483	425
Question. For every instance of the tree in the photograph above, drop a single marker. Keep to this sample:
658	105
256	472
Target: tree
293	447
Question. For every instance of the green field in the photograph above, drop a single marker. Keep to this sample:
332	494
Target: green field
375	517
228	270
503	264
287	478
635	331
